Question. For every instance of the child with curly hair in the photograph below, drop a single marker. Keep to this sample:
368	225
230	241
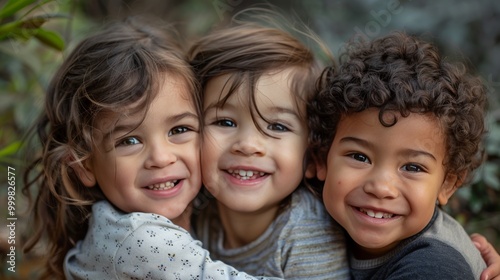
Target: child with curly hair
395	132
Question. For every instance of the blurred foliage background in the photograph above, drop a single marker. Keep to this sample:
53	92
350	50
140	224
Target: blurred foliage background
35	36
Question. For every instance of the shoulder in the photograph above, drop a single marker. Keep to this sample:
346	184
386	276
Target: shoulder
427	258
305	205
307	216
114	233
311	234
447	232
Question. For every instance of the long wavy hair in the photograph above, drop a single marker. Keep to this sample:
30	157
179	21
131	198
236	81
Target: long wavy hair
106	72
402	73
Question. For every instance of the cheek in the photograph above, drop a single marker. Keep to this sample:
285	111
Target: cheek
209	146
122	172
331	193
207	159
294	160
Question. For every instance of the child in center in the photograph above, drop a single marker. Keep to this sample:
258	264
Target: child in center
396	131
256	81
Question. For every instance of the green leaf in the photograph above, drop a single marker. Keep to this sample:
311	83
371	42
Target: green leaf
38	21
34	22
8	28
10	149
50	38
14	6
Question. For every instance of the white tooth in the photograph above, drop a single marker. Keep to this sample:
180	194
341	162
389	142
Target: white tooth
242	173
230	171
261	173
379	215
370	213
163	186
249	173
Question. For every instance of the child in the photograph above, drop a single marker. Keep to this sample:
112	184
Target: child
396	130
256	81
120	162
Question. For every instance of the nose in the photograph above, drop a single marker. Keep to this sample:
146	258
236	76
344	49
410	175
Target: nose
160	154
249	142
382	185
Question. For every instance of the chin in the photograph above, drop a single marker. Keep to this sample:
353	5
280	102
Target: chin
371	243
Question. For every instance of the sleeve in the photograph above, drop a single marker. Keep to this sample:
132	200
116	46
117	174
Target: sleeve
154	252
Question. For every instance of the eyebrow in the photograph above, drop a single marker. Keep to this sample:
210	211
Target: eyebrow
406	152
185	115
284	110
275	109
214	106
129	127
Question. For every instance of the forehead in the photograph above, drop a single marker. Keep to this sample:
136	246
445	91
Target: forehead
416	130
172	94
272	87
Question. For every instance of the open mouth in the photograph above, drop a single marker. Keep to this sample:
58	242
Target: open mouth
246	174
163	186
377	215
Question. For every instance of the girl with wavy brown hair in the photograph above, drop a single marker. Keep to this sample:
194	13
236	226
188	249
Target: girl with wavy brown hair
120	161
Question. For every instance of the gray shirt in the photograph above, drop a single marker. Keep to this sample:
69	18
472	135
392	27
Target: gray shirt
303	242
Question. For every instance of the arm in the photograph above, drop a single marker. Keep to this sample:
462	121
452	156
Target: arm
168	252
490	256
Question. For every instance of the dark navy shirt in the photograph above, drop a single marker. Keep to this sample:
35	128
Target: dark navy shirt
442	250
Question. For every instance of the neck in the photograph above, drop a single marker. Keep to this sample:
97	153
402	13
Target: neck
184	220
241	228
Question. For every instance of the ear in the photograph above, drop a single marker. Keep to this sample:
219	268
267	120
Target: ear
84	172
315	169
310	170
451	183
321	171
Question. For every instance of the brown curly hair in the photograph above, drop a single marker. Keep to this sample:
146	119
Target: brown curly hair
404	74
120	66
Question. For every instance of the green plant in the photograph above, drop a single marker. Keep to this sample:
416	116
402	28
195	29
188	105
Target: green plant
26	46
20	21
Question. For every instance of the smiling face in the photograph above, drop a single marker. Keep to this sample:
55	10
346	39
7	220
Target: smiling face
246	170
151	165
382	183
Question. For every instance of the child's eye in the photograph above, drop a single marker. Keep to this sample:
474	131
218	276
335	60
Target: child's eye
360	157
225	122
178	130
412	168
129	141
277	127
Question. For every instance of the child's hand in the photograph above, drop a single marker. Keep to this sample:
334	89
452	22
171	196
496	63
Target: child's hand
490	256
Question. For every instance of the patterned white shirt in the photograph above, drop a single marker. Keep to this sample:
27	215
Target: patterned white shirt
141	246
